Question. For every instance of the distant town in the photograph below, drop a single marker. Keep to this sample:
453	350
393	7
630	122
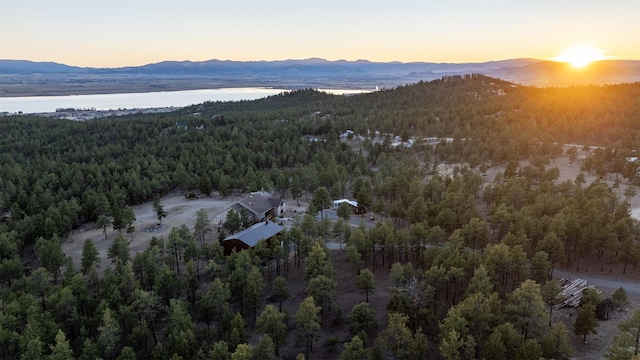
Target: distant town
92	113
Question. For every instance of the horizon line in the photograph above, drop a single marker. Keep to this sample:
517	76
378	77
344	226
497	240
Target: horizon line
302	59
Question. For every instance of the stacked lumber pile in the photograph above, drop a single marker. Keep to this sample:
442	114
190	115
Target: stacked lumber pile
572	292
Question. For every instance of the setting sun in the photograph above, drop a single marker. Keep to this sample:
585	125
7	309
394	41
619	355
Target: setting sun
580	56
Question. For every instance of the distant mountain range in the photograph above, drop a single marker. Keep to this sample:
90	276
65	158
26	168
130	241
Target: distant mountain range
312	72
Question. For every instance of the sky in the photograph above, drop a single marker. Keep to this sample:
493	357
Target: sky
115	33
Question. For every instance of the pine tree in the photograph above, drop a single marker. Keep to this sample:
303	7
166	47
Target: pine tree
90	257
202	226
365	281
119	250
51	255
265	350
480	282
527	308
321	200
280	291
362	319
586	321
551	293
159	209
109	335
396	339
324	290
619	297
243	352
214	302
307	324
273	323
254	290
354	350
102	223
556	343
61	349
453	347
317	263
219	351
627	344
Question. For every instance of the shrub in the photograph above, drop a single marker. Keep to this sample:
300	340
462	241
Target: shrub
619	298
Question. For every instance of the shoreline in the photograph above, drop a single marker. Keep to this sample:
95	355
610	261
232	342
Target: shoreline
11	94
61	90
36	86
95	105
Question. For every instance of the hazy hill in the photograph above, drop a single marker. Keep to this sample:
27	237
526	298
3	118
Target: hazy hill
284	68
548	73
22	77
27	67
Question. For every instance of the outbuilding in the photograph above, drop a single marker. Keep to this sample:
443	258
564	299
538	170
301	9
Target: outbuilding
358	210
353	204
251	236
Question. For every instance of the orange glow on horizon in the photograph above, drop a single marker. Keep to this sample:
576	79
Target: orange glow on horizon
580	56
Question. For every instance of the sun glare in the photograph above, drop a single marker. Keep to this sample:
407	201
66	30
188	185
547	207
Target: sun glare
580	56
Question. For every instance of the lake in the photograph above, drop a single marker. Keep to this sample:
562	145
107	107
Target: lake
43	104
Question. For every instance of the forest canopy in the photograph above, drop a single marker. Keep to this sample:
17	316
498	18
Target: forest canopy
497	243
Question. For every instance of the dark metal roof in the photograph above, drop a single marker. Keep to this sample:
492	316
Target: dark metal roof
238	208
259	204
260	231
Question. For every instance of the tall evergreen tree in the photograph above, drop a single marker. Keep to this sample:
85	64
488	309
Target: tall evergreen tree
586	321
51	256
365	281
202	226
307	324
158	208
280	291
321	200
273	323
90	257
556	343
551	293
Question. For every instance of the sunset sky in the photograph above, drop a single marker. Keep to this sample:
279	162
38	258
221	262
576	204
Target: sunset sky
113	33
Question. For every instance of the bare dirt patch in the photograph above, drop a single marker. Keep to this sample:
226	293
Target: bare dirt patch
179	211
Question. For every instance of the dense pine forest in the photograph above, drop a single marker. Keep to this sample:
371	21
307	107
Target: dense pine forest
468	264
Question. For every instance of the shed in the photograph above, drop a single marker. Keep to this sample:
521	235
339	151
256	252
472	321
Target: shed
352	203
249	237
355	208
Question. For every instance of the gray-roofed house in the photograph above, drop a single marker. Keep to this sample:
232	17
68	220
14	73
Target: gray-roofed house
249	237
261	205
258	206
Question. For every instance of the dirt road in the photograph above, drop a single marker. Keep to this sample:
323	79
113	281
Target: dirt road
606	282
